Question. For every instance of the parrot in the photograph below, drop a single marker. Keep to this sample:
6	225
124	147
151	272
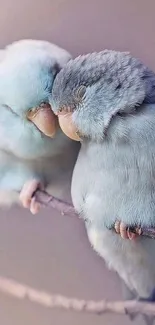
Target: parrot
106	101
34	152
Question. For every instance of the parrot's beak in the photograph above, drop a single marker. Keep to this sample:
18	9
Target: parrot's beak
68	127
44	119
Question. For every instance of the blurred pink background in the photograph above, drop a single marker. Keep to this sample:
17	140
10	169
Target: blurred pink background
50	252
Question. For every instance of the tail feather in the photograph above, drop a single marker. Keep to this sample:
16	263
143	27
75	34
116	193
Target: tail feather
130	295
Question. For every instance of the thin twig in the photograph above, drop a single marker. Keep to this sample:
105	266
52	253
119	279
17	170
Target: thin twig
61	206
21	291
67	209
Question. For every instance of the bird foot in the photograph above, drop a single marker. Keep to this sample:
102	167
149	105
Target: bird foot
126	232
27	197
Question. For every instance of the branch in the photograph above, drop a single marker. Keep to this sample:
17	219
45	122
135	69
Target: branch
47	200
67	209
21	291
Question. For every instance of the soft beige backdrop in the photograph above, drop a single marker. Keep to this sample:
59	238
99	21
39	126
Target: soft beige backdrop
50	252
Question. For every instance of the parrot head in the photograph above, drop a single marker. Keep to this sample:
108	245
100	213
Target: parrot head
91	90
27	72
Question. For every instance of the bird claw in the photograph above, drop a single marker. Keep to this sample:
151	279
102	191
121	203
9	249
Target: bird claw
27	197
125	232
148	319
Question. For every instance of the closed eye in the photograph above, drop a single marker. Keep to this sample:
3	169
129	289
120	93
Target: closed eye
10	109
79	93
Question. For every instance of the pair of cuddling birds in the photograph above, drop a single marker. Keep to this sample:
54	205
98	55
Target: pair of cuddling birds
106	101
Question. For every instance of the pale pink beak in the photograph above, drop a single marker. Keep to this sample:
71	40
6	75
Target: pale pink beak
44	119
67	126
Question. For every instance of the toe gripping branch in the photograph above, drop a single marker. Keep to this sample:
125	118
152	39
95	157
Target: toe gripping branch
65	208
130	308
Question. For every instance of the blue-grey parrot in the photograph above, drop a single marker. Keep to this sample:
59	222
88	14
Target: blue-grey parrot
107	100
33	149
